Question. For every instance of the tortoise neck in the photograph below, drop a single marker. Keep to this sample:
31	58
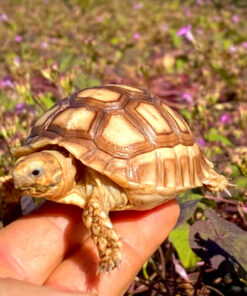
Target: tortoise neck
67	163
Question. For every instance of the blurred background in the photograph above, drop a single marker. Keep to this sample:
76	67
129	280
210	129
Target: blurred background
192	54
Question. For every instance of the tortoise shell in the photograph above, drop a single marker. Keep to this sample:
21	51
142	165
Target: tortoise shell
125	133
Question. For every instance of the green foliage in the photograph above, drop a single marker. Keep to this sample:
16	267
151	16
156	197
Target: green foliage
180	239
241	182
48	100
82	81
176	41
214	136
66	60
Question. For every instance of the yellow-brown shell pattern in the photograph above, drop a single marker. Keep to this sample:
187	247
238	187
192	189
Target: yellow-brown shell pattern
126	133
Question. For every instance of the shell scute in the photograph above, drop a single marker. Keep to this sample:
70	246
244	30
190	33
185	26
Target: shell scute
119	136
44	121
104	95
70	119
180	126
145	168
154	118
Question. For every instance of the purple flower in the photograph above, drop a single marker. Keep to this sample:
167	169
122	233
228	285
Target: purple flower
186	11
186	32
20	108
44	45
224	118
18	38
136	36
99	19
20	105
165	28
244	44
6	82
17	61
201	142
3	17
200	31
186	97
137	5
232	48
235	18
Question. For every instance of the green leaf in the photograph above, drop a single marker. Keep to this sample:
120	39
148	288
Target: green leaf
82	81
213	136
217	150
174	5
180	239
186	113
188	203
223	73
180	63
235	170
48	100
188	196
65	60
227	43
176	40
5	100
114	40
241	182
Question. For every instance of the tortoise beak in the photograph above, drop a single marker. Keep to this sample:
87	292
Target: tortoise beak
22	182
28	186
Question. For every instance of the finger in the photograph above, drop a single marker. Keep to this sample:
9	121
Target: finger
32	246
12	287
141	232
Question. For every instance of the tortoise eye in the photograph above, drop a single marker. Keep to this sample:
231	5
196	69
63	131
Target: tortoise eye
36	172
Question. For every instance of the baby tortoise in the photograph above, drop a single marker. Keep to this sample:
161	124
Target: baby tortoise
111	148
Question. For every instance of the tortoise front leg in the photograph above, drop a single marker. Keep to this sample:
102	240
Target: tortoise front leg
96	218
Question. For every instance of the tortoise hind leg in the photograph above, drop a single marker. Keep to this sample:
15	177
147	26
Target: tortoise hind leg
217	183
96	218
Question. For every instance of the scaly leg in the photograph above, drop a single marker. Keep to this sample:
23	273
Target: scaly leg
96	218
217	183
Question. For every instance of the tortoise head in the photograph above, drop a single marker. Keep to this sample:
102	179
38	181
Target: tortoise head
48	174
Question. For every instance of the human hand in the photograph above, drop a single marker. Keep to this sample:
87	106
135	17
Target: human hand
50	252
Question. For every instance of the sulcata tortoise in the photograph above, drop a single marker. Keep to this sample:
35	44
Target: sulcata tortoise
111	148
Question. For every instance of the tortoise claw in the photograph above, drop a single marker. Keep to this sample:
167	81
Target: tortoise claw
227	192
217	183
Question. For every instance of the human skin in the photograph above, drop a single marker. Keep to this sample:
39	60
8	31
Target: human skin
50	252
